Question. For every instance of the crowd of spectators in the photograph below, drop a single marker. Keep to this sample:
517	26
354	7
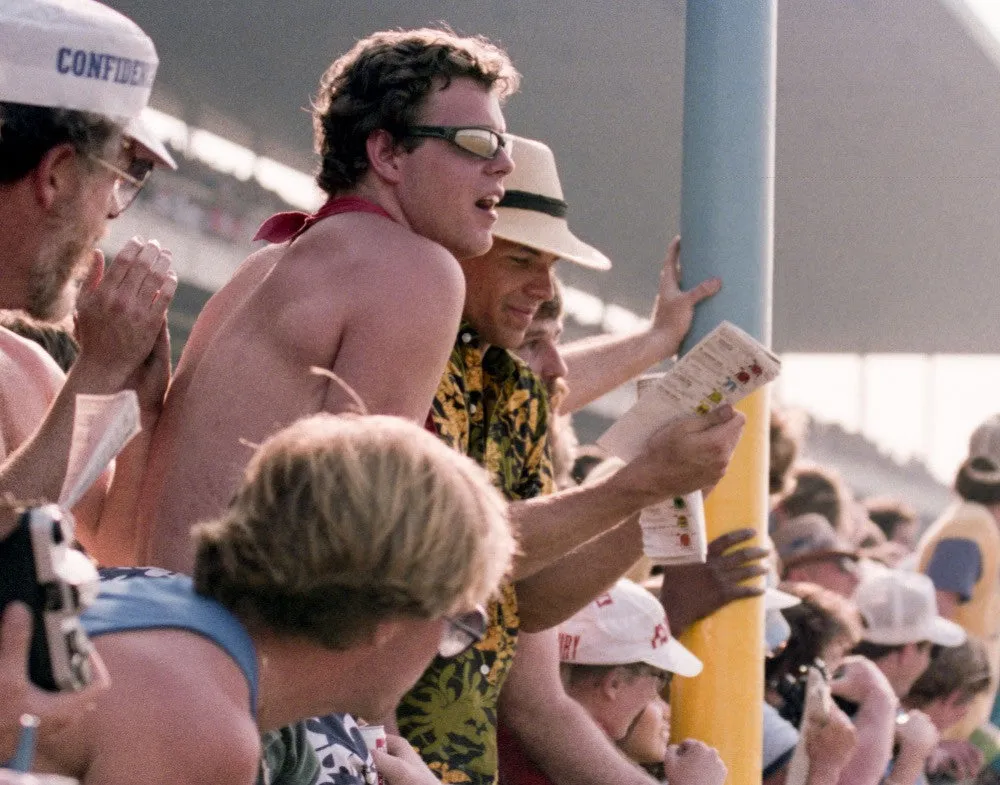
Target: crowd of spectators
879	587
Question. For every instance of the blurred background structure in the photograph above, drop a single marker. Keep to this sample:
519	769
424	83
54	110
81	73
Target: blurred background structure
887	191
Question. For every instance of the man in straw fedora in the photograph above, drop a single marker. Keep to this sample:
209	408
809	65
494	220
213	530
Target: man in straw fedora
541	728
492	407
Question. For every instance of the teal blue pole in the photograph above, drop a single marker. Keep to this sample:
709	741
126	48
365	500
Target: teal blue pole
727	229
727	185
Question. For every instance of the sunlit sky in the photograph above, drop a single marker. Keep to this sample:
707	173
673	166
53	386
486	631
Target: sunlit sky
911	405
988	11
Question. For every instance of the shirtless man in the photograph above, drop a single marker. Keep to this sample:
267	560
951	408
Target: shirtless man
291	613
372	292
73	154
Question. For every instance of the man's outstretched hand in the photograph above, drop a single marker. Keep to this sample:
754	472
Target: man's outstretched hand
693	591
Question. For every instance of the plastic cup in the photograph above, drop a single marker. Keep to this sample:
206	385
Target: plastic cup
375	739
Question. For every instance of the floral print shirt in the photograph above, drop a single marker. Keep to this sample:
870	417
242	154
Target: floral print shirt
491	407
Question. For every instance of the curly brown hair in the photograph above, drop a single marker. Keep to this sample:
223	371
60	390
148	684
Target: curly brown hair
383	82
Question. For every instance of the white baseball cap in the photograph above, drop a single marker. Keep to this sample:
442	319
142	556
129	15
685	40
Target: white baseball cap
624	626
141	131
900	607
75	54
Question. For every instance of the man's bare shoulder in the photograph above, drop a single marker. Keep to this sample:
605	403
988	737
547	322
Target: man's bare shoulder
255	267
26	359
248	276
29	381
176	713
362	245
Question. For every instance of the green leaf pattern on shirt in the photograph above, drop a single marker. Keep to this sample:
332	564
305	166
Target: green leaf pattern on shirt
450	715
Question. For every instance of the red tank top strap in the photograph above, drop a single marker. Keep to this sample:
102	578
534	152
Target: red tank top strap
283	227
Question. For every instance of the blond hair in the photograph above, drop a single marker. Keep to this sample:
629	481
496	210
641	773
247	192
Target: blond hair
343	522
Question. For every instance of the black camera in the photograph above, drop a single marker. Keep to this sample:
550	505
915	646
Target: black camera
39	567
792	689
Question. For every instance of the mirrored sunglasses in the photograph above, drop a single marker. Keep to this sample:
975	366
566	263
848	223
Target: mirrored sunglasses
481	142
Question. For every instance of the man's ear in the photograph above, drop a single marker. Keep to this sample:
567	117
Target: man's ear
56	175
611	682
384	155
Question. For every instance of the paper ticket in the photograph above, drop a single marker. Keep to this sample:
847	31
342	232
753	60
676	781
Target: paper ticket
102	426
673	531
723	368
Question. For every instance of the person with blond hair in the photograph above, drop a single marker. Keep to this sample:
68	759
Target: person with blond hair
355	550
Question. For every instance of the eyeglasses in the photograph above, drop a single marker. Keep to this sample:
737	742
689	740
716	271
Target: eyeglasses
127	183
662	677
481	142
461	632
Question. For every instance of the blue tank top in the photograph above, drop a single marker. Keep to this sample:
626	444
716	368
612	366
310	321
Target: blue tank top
133	600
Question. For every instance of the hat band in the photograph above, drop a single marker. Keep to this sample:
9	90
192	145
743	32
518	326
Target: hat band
523	200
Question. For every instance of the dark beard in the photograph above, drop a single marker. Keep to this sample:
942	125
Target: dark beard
56	265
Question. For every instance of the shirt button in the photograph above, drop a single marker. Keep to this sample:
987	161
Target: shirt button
466	337
472	408
484	669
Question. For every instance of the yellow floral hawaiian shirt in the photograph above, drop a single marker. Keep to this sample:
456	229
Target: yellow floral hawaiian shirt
491	407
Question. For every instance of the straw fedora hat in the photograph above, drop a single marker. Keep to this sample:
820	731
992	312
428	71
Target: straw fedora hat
533	211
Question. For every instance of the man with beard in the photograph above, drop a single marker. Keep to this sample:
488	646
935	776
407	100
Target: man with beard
74	78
